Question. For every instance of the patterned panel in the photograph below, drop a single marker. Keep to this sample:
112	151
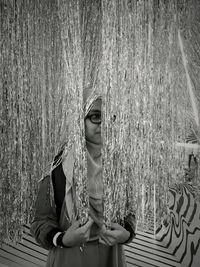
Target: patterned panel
182	231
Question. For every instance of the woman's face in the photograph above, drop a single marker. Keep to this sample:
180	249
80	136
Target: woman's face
93	123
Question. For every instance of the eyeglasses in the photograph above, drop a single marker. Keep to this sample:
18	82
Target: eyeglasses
94	118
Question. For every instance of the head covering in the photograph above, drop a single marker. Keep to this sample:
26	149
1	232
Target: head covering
94	171
89	97
94	166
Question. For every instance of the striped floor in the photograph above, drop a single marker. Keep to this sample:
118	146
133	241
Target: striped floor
25	254
144	251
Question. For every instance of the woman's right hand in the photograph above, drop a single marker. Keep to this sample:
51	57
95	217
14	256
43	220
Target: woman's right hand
76	235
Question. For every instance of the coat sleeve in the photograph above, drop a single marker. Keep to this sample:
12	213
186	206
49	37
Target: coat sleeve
130	225
45	223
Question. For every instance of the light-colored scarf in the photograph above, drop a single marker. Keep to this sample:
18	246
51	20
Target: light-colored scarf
95	184
94	174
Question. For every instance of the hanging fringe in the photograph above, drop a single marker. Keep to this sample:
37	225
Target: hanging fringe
127	51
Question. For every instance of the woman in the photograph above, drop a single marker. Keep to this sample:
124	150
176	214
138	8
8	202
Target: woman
72	245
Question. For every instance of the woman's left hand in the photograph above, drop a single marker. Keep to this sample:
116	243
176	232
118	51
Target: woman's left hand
117	234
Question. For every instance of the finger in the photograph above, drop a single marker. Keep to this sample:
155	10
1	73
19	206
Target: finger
87	231
110	233
116	226
88	225
106	240
109	240
102	241
86	238
75	225
108	236
103	229
90	221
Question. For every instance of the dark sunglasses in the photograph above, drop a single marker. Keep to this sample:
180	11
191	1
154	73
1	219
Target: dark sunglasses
94	118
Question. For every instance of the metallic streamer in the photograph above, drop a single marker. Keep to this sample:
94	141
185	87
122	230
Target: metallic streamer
126	50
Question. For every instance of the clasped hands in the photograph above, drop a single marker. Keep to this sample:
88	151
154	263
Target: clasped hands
116	234
76	235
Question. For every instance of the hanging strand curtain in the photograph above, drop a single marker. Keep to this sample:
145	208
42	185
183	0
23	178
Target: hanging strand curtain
138	39
31	109
130	51
43	47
